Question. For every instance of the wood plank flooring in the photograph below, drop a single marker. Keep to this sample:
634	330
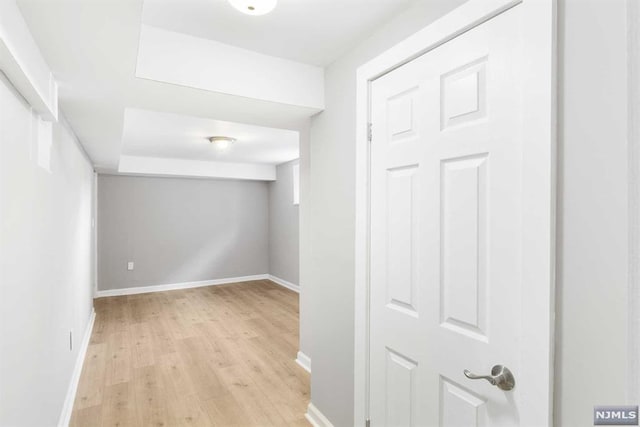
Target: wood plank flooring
214	356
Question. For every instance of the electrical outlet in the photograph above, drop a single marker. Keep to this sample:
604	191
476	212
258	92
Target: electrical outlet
130	266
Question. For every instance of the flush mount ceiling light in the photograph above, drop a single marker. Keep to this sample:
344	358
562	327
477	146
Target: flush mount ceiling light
254	7
221	142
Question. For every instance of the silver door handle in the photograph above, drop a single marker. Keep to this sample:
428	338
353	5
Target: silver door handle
500	377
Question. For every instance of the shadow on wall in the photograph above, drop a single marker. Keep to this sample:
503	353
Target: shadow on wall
215	254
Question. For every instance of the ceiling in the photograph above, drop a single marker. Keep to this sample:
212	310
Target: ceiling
166	135
92	49
310	31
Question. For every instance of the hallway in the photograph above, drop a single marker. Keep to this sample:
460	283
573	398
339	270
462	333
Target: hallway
213	356
433	204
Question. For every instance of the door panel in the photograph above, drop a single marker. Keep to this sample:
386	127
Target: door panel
463	237
401	251
459	407
400	377
463	94
446	231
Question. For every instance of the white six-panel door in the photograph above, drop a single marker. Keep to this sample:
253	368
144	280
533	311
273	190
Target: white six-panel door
446	232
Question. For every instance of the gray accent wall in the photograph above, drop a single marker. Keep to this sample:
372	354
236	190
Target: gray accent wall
284	225
180	230
46	277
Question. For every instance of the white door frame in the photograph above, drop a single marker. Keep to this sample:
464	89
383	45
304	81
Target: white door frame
633	21
539	147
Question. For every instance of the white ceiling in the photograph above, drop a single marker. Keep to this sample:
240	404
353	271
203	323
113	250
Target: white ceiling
166	135
311	31
92	46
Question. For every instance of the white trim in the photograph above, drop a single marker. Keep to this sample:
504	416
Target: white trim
633	17
304	361
295	172
67	408
284	283
94	232
539	217
540	145
316	418
176	286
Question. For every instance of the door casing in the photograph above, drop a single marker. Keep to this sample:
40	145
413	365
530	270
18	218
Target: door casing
633	72
538	179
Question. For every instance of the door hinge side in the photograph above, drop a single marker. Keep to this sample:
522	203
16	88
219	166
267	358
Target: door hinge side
370	134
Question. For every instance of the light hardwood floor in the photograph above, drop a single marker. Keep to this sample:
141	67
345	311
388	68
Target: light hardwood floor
214	356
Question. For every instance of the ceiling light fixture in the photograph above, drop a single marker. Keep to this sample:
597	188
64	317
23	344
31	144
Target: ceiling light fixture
222	142
254	7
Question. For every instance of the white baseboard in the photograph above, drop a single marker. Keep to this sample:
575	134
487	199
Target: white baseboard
282	282
176	286
304	361
316	418
67	408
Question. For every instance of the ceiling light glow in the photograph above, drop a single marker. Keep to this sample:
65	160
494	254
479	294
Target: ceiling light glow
254	7
222	142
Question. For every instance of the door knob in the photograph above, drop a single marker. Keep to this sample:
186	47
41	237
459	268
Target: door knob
500	377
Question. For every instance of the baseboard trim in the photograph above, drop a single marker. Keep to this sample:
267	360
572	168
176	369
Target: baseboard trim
304	361
177	286
284	283
316	418
67	408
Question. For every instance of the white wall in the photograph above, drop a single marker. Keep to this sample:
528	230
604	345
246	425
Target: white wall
185	60
592	283
45	264
331	215
284	226
178	230
23	64
139	165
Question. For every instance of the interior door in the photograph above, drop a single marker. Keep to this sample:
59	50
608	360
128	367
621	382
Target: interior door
446	235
